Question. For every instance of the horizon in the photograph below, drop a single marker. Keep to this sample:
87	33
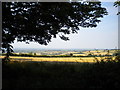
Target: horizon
65	48
36	50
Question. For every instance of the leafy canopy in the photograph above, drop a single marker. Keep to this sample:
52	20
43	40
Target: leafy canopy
117	4
42	21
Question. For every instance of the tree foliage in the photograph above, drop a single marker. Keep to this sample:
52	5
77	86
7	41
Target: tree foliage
117	4
42	21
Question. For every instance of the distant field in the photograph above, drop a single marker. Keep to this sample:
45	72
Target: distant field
84	56
56	59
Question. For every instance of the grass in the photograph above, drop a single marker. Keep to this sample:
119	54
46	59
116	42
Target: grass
59	59
35	75
105	73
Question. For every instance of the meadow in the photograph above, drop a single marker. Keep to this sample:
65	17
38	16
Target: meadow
36	75
19	74
59	59
64	56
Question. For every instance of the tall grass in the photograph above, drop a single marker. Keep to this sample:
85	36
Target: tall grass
36	75
31	75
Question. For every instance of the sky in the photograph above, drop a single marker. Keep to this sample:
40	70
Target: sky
104	36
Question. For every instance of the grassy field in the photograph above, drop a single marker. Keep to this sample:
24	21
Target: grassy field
61	72
58	59
85	56
36	75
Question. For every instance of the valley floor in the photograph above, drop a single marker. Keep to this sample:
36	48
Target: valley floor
58	59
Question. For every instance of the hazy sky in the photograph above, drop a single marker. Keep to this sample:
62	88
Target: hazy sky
104	36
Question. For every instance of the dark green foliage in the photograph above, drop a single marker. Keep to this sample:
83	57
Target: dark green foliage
61	75
117	4
117	53
42	21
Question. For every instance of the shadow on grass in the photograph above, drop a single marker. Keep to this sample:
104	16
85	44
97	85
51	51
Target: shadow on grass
20	75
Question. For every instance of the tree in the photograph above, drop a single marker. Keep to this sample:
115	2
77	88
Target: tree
117	4
41	21
71	54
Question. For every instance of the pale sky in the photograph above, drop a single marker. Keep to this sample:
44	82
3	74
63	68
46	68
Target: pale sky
104	36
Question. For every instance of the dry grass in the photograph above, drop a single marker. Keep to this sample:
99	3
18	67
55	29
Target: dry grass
68	59
57	59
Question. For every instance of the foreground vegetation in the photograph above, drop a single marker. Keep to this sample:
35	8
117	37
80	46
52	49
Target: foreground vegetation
35	75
